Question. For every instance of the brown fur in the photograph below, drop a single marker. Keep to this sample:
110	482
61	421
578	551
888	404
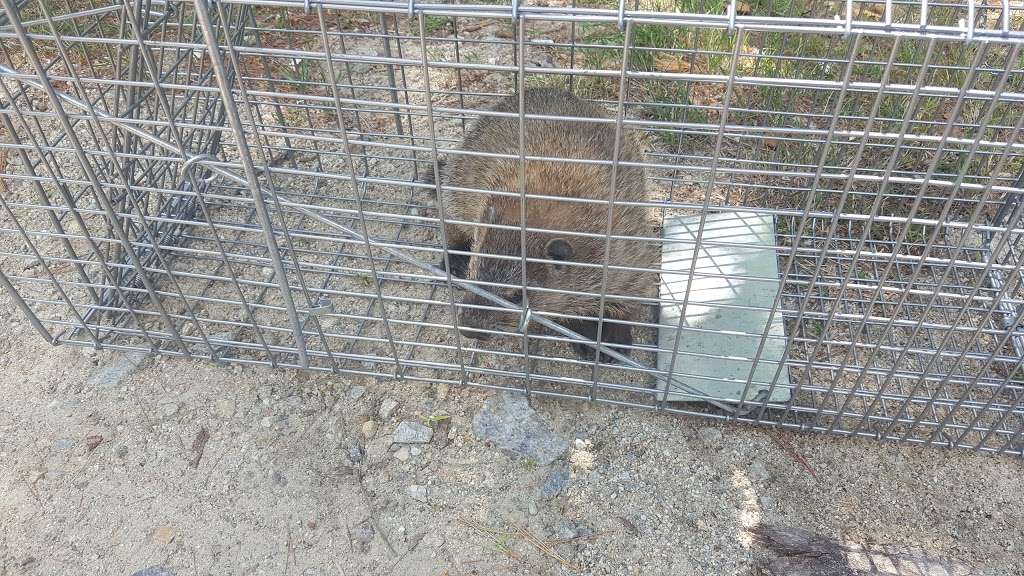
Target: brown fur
556	139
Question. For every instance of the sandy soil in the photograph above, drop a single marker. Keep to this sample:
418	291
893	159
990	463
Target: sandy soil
99	479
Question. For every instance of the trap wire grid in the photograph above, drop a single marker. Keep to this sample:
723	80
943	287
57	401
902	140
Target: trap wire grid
724	295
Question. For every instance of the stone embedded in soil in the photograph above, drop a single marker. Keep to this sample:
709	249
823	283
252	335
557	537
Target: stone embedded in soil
119	368
757	471
712	436
355	453
163	535
402	454
93	441
571	530
169	409
356	392
412	433
369	429
418	492
507	421
362	533
63	444
555	481
387	408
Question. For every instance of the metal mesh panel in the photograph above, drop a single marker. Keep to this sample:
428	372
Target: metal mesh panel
254	182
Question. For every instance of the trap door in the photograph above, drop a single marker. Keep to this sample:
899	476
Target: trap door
735	283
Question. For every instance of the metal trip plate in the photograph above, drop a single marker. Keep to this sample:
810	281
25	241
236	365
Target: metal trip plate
735	283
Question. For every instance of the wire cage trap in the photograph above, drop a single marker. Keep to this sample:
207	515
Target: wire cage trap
251	181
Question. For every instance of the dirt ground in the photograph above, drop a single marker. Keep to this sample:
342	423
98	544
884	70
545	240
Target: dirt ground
102	476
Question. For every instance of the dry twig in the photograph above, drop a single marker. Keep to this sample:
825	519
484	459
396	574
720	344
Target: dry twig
791	452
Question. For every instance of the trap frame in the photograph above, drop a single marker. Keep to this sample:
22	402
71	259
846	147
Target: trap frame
244	181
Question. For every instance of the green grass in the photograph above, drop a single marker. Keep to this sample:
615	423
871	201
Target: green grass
769	54
435	419
433	24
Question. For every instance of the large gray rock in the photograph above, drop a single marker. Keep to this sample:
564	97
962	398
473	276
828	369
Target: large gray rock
556	481
507	421
412	433
120	367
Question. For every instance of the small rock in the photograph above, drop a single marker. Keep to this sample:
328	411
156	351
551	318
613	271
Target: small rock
507	421
356	392
710	436
226	407
432	539
163	535
63	444
362	533
581	444
93	441
369	429
412	433
120	367
279	478
570	531
766	501
532	508
267	421
418	492
154	571
170	409
757	471
355	453
402	454
387	408
415	451
629	526
556	481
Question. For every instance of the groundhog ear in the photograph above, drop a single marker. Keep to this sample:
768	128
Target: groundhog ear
559	249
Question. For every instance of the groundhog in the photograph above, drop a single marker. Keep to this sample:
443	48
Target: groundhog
566	139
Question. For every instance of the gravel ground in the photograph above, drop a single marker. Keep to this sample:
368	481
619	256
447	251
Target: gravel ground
191	467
